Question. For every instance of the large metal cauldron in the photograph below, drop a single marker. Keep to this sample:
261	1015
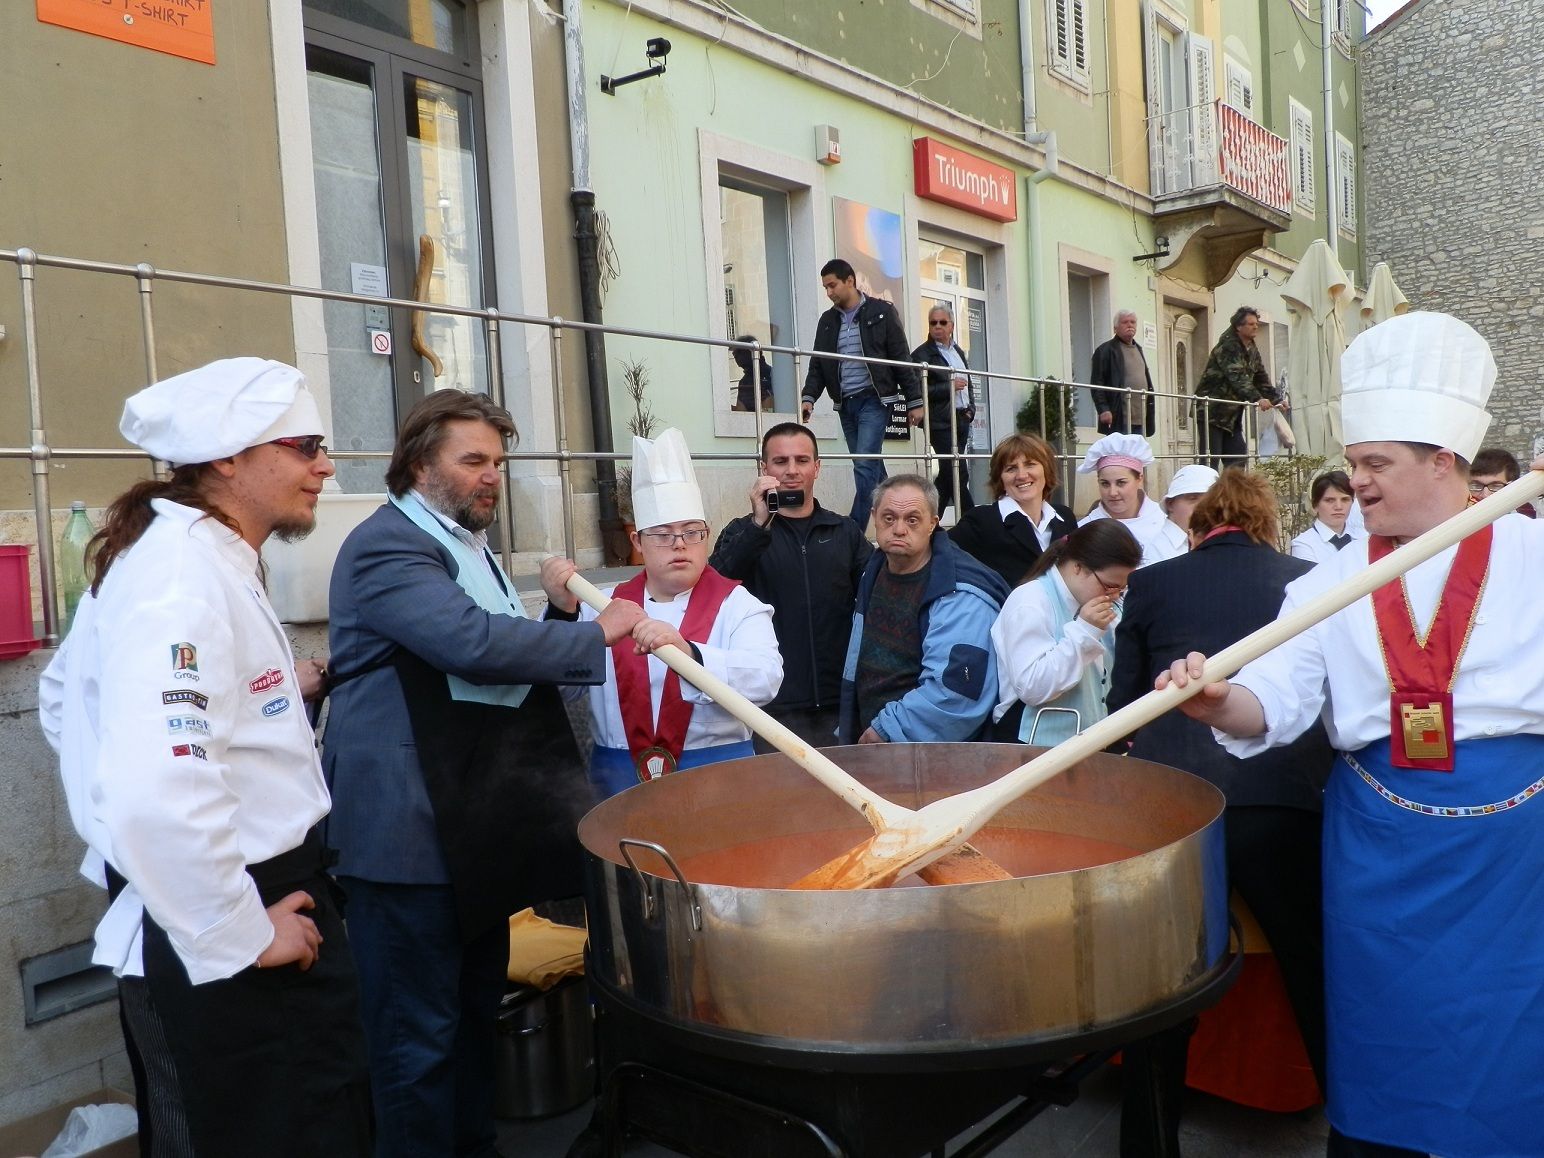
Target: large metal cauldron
1125	913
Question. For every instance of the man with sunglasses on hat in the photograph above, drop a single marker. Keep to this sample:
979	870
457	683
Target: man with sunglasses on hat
191	773
647	721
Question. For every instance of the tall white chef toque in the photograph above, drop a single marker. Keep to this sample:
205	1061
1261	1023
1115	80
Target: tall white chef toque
1128	450
1420	377
664	484
219	410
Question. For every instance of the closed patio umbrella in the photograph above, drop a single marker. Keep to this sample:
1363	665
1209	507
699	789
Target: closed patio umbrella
1383	299
1316	294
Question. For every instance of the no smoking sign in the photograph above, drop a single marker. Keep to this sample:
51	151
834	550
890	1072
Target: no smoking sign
380	341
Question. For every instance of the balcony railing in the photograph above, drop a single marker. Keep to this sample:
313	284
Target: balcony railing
1216	145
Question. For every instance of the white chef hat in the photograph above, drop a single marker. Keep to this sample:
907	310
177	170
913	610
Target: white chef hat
219	410
664	484
1420	377
1128	450
1193	479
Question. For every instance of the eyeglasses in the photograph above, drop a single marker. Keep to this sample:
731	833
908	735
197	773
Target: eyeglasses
669	538
938	321
307	446
1479	488
1110	588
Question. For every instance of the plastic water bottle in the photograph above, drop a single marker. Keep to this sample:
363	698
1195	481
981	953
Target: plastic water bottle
72	560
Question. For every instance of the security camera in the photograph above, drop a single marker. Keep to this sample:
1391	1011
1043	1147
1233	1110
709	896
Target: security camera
656	48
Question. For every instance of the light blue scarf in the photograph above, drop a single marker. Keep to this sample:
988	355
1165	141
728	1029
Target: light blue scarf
474	575
1086	697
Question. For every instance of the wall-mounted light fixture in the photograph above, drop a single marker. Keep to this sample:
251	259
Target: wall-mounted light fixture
1161	251
655	48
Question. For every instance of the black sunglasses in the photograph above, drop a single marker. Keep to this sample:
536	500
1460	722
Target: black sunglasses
307	446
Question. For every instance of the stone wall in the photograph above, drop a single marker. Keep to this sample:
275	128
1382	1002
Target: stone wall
1450	143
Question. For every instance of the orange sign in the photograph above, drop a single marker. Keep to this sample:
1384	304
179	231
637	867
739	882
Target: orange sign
182	28
955	177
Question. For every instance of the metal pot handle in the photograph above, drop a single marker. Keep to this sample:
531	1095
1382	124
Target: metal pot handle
675	871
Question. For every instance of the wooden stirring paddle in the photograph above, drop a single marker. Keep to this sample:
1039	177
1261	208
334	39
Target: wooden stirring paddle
961	865
935	830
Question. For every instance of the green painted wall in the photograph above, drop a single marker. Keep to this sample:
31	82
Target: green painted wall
973	71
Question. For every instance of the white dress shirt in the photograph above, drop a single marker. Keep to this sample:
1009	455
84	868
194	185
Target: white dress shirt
1034	666
1007	506
1337	666
1147	525
1314	543
183	743
741	650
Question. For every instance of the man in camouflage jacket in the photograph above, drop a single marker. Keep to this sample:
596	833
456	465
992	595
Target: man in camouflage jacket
1234	372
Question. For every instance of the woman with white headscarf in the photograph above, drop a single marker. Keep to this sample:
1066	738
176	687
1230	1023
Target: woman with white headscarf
1119	461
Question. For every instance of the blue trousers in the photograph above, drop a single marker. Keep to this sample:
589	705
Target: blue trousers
863	425
430	1006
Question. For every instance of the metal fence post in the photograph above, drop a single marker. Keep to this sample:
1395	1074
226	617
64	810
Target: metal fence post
42	510
565	466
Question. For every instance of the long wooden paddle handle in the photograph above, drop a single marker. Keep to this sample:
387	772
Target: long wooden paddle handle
876	809
987	799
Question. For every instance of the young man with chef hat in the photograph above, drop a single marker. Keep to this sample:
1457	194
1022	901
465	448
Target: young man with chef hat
646	720
191	773
1434	814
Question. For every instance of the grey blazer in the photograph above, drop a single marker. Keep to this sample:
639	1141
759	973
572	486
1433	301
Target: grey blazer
394	586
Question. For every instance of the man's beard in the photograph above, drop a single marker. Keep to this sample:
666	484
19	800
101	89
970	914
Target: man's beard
293	530
462	510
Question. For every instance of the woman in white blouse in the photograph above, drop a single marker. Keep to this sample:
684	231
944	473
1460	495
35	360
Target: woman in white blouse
1331	496
1055	636
1119	460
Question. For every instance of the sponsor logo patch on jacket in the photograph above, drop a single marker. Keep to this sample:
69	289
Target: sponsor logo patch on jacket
189	750
271	678
186	696
274	706
187	726
184	662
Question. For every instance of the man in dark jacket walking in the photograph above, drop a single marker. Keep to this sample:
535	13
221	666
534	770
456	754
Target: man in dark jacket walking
806	562
861	392
951	407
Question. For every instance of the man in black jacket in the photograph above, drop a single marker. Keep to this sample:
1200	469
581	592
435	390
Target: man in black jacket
951	407
806	562
861	392
1117	364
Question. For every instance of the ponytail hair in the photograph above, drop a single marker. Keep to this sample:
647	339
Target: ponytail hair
1093	546
131	514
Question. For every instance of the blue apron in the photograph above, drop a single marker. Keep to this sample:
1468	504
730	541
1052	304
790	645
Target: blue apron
612	770
1086	697
1434	950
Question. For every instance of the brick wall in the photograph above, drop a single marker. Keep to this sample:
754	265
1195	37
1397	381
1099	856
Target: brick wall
1451	140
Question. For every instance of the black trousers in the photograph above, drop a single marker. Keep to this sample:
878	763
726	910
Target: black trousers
949	470
1225	448
1342	1147
816	726
1274	864
270	1061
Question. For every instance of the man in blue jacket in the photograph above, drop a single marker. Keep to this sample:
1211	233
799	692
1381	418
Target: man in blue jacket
920	665
456	781
857	324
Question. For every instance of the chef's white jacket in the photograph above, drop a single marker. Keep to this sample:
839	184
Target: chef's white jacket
183	743
1149	527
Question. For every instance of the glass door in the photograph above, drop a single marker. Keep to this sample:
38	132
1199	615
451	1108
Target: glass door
956	277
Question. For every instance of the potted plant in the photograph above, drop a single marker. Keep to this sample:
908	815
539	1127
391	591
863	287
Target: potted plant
641	422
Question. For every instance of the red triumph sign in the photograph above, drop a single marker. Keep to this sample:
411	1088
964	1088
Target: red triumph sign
957	178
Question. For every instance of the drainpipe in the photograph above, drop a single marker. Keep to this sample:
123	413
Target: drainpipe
1039	359
1027	68
582	197
1332	198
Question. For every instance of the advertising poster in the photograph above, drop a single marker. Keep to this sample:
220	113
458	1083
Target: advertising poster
869	239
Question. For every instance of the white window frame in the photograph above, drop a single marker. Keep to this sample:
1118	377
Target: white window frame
1240	81
1066	23
1345	177
1304	194
965	9
808	218
1201	77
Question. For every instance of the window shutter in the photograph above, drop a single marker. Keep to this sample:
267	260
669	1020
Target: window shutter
1303	196
1345	166
1154	98
1059	42
1240	86
1203	113
1079	24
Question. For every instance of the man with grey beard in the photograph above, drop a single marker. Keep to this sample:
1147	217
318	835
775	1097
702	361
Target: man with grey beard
456	780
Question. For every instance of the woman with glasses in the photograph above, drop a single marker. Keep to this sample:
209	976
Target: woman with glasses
1331	530
1232	581
1055	637
1008	535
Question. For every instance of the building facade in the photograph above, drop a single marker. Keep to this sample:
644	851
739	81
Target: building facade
1447	91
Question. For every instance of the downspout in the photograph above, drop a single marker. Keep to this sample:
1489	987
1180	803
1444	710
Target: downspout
1027	69
582	197
1039	361
1332	194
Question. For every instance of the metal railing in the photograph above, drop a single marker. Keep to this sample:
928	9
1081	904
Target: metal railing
40	453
